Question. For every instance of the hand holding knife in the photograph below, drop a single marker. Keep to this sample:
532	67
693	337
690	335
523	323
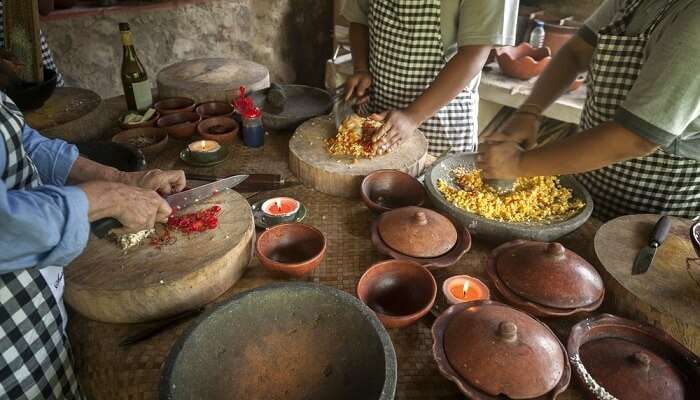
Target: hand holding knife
647	253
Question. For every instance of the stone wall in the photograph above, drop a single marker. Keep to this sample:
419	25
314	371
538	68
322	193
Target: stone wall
291	37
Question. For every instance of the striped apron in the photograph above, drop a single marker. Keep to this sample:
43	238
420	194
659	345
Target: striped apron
661	183
406	55
35	361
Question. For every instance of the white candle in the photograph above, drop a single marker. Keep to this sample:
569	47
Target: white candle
204	146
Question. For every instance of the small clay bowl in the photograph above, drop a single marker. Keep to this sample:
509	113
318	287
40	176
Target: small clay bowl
577	83
399	292
385	190
292	249
226	129
214	109
158	136
523	61
146	124
174	105
180	125
695	236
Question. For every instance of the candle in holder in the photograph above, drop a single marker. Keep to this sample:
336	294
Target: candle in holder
204	150
464	288
280	209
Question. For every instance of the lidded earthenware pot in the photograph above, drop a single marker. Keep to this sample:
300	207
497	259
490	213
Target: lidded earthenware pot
490	349
545	279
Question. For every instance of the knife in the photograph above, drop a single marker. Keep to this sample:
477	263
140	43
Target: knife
341	108
254	183
646	254
177	202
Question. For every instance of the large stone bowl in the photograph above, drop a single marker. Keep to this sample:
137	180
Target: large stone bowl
291	341
497	231
302	103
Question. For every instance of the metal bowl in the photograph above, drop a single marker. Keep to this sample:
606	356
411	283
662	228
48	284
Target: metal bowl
286	341
497	231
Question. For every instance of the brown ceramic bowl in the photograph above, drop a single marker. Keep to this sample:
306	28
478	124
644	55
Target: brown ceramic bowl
523	61
577	83
399	292
292	249
214	109
180	125
219	129
151	141
385	190
174	105
146	124
695	237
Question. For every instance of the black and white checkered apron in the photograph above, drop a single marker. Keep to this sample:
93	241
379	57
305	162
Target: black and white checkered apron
661	183
35	361
406	55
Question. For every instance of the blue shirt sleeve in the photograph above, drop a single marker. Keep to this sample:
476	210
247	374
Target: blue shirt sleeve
53	158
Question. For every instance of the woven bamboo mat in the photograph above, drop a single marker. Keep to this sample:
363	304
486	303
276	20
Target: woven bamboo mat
107	371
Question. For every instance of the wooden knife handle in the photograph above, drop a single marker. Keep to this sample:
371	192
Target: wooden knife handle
254	182
661	229
101	227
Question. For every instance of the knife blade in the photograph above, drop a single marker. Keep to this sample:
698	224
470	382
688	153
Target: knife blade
341	108
646	255
177	202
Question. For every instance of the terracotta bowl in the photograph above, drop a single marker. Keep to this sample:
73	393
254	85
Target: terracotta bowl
146	124
577	83
226	125
292	249
523	61
399	292
214	109
695	237
159	137
174	105
180	125
385	190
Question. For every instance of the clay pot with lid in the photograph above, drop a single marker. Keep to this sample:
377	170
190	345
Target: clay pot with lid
490	350
545	279
420	235
615	358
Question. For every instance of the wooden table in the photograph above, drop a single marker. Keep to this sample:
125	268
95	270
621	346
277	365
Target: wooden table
107	371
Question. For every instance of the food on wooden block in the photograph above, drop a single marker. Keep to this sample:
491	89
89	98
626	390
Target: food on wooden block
199	221
135	118
537	199
354	137
129	240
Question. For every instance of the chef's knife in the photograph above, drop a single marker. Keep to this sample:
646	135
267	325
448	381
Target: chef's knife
177	201
646	255
254	183
341	108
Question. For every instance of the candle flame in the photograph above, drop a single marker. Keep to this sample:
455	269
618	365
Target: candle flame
203	144
465	288
278	203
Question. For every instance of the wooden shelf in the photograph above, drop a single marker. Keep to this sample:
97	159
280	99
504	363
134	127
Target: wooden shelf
90	8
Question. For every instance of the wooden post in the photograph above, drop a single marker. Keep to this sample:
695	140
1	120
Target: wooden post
22	37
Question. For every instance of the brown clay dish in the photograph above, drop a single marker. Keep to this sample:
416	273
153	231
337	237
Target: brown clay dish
292	249
523	61
151	141
616	357
180	125
385	190
545	279
417	232
557	35
494	352
399	292
695	237
214	109
146	124
174	105
219	129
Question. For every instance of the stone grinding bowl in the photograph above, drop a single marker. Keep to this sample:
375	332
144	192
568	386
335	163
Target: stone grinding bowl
385	190
293	340
302	103
497	231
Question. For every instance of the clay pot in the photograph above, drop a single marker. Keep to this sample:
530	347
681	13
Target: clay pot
159	135
146	124
174	105
62	4
695	237
399	292
46	6
180	125
385	190
214	109
225	127
523	61
292	249
557	35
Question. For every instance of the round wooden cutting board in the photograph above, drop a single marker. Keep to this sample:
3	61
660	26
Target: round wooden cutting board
668	294
342	176
144	283
71	114
209	79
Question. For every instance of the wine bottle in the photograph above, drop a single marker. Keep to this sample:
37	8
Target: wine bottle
137	89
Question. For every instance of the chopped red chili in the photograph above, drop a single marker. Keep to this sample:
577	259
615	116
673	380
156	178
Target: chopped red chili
199	221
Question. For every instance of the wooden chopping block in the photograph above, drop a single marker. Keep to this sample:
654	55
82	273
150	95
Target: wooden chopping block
341	176
210	79
144	283
666	296
72	114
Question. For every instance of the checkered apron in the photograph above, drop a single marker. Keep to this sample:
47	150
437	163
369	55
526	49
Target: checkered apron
661	183
406	55
35	361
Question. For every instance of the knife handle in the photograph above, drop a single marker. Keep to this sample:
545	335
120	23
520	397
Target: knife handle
101	227
661	229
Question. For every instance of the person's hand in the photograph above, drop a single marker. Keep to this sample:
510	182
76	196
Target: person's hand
520	128
163	182
398	126
499	160
358	86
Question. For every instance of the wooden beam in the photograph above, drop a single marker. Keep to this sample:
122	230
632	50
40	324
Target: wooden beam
22	37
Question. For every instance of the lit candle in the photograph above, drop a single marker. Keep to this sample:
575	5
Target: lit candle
204	146
280	206
463	288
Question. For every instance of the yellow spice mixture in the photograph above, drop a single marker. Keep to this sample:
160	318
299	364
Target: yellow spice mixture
539	199
354	137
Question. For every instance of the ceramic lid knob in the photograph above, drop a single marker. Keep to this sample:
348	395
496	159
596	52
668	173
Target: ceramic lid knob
508	331
641	359
421	218
555	250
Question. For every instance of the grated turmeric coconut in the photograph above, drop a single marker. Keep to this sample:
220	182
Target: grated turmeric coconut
354	137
